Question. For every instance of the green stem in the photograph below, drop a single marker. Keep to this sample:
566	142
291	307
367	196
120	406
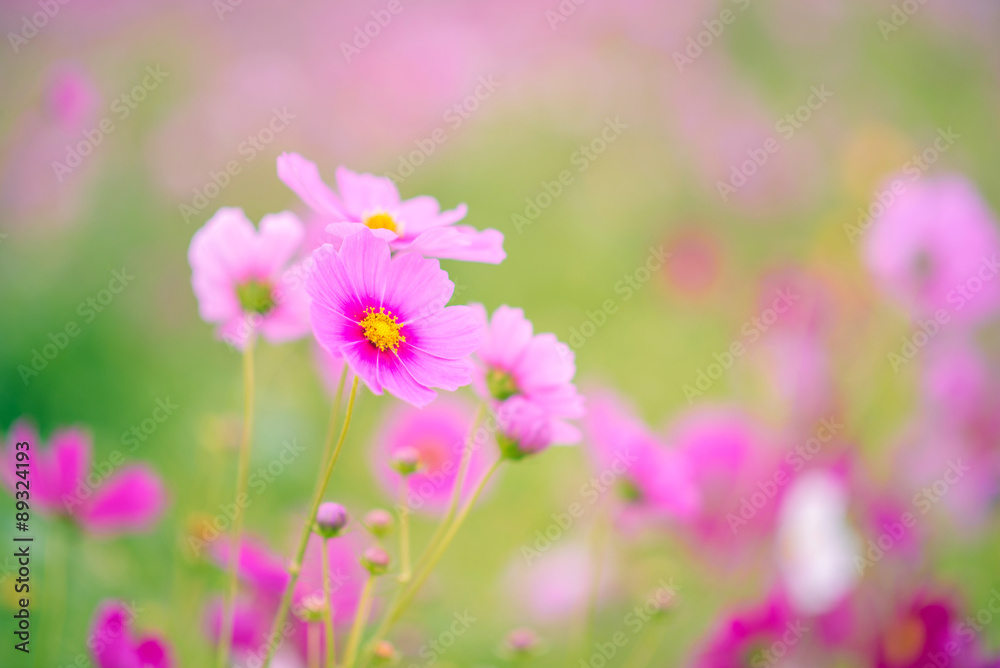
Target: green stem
456	492
312	644
243	468
296	566
360	617
404	531
406	596
331	641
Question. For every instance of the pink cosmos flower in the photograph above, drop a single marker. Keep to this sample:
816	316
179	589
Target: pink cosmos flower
924	631
768	633
528	380
438	432
935	247
239	277
734	471
653	481
128	500
413	226
113	646
388	319
264	577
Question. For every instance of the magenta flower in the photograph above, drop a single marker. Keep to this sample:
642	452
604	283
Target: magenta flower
438	434
921	633
653	481
935	247
128	500
413	226
239	277
264	578
112	644
537	370
746	638
388	319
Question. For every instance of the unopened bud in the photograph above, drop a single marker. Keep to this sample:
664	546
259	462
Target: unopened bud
405	460
379	522
376	560
331	518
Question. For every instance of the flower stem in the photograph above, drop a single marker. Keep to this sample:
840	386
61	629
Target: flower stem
406	595
331	641
360	617
243	468
404	531
456	492
296	565
312	644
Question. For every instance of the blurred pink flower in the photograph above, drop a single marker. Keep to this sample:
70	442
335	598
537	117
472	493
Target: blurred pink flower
412	226
238	275
535	370
747	637
113	647
736	474
387	317
438	432
923	631
552	586
934	249
653	481
129	500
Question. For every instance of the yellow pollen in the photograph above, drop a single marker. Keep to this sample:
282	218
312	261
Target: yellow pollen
382	329
381	221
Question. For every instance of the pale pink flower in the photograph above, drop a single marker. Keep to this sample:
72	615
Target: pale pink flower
532	374
240	277
438	433
933	247
410	226
387	316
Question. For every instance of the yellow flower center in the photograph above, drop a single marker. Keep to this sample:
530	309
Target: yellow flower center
381	221
904	641
382	329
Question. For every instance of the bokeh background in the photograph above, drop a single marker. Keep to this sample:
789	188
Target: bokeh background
644	107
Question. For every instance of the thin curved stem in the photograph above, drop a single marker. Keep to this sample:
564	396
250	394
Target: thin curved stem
296	566
242	471
456	492
404	531
360	617
331	640
406	596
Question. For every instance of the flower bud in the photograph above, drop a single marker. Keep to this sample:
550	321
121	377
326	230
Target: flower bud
312	608
521	642
384	652
405	460
379	522
376	560
331	518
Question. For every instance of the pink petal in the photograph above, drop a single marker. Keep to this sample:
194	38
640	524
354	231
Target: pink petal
365	194
71	451
153	653
448	374
280	237
222	254
544	361
508	334
130	500
460	243
397	380
451	333
416	287
303	178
